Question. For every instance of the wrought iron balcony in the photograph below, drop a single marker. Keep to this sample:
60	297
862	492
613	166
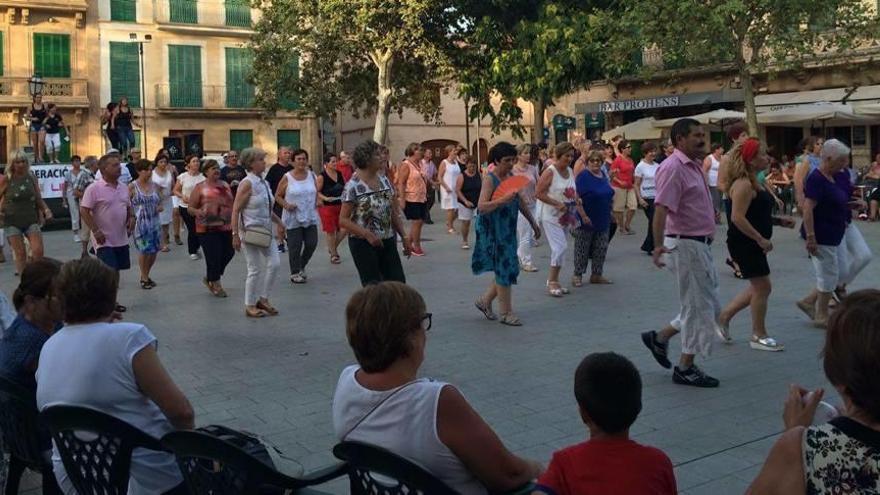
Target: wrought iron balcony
232	16
183	97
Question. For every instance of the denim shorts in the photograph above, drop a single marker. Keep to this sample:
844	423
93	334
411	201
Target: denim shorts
12	230
36	127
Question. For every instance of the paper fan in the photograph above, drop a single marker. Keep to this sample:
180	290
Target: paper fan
510	185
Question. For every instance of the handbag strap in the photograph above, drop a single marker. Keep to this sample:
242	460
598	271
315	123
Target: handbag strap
373	409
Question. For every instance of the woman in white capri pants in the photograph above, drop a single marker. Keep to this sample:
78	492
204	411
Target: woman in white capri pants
524	233
252	211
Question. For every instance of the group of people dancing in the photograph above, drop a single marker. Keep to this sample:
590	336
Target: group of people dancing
45	126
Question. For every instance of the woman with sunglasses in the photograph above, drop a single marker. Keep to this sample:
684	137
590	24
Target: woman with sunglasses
591	238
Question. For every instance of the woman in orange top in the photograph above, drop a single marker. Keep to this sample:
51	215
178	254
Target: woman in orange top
413	194
210	203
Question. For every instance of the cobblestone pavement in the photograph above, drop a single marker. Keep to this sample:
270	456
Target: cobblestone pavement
276	376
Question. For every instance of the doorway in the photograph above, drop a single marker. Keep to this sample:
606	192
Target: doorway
480	151
438	147
3	156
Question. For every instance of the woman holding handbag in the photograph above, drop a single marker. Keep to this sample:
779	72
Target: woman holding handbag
252	220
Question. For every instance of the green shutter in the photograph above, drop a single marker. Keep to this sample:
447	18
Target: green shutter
184	11
123	10
288	137
239	93
52	55
125	72
291	102
1	53
185	76
238	13
240	139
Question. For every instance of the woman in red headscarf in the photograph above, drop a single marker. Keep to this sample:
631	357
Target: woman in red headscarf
748	240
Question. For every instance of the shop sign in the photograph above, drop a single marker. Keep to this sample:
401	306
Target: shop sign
643	104
594	120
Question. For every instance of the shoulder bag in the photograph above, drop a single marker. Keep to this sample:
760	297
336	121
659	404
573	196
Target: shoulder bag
257	235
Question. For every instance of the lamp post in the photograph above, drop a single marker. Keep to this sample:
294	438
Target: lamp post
140	43
35	85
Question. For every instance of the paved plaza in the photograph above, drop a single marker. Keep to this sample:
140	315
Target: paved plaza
276	376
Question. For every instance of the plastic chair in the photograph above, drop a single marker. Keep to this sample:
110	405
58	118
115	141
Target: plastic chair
400	476
20	427
211	465
101	464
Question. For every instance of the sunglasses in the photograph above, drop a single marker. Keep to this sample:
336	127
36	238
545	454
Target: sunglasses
426	321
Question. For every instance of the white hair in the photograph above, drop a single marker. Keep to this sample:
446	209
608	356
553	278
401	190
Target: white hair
834	149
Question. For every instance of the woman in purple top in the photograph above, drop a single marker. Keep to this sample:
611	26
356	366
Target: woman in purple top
591	238
826	209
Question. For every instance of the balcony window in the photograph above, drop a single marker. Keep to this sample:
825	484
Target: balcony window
125	75
185	76
184	11
239	93
289	138
52	55
240	139
123	10
238	13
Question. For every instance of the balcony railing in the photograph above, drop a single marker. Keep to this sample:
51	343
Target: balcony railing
205	97
66	92
59	5
185	14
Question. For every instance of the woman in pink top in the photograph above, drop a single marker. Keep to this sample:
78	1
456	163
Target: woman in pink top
411	183
524	232
622	181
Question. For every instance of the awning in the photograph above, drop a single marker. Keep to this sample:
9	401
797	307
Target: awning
782	100
825	113
869	109
638	130
720	116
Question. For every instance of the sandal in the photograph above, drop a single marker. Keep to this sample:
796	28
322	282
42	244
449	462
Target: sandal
510	319
577	281
145	284
297	278
268	308
765	344
255	313
809	310
120	308
555	290
486	310
151	282
335	259
166	249
736	271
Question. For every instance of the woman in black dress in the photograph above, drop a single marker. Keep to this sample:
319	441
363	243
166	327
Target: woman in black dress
748	240
38	113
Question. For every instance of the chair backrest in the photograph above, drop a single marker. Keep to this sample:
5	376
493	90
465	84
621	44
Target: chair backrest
96	447
398	476
19	423
213	465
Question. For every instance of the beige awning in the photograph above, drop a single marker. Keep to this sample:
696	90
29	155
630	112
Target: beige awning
638	130
824	112
714	117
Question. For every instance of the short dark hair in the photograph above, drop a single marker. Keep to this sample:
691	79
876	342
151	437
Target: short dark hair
300	151
87	290
208	165
736	129
851	357
380	319
37	280
411	149
363	153
501	150
682	128
608	389
328	156
143	164
76	158
622	144
648	147
715	146
105	160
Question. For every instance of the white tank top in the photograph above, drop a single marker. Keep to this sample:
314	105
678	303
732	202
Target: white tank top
405	424
557	192
164	182
713	171
303	194
257	211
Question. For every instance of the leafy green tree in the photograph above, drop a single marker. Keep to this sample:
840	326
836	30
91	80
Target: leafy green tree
363	56
758	38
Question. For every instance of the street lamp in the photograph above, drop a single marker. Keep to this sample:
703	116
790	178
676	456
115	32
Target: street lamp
140	43
35	85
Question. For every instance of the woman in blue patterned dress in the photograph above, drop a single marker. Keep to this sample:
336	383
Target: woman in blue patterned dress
146	201
495	250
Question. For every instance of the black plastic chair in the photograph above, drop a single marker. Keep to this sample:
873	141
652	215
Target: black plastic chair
20	426
101	464
211	465
403	476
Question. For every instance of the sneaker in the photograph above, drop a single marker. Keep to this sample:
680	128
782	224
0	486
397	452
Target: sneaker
723	332
76	238
465	246
194	256
694	377
658	350
528	267
281	248
297	278
765	344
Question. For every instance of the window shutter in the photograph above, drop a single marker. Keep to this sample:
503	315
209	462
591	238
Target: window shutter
239	93
185	75
123	10
240	139
125	72
52	55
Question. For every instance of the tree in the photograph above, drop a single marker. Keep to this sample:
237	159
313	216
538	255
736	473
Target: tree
758	38
363	56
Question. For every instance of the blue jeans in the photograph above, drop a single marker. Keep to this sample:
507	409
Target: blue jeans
125	137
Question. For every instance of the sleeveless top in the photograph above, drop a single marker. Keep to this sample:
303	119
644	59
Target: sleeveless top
450	174
189	182
163	182
415	189
333	188
20	203
470	188
303	194
760	215
713	171
145	204
841	456
405	424
38	114
70	178
559	188
257	211
815	161
217	202
123	119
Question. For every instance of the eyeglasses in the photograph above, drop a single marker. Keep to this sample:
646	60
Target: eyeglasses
594	160
426	321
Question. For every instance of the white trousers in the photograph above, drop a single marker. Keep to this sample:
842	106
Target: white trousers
262	270
826	264
73	207
691	263
853	254
526	237
557	237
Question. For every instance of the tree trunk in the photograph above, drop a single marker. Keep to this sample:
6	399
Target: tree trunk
538	106
384	62
749	101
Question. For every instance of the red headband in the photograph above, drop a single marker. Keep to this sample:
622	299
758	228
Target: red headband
750	149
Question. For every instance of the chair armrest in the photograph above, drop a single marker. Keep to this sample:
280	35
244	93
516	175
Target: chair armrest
324	475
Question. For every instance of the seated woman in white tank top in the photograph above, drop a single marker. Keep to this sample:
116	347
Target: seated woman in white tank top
381	401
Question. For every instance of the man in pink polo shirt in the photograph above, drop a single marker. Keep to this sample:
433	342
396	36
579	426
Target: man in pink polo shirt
684	227
106	208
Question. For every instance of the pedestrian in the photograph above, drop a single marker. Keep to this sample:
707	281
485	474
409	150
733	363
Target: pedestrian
298	196
414	194
558	211
146	200
330	186
345	165
737	133
429	170
38	113
82	181
371	215
163	177
23	211
183	189
524	232
711	165
107	113
210	205
748	240
68	198
233	172
810	161
495	249
122	124
252	219
609	155
273	177
684	227
645	189
591	238
448	176
106	209
467	188
621	171
52	125
133	157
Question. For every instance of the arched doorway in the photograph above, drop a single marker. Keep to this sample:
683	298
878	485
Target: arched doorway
480	150
438	146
